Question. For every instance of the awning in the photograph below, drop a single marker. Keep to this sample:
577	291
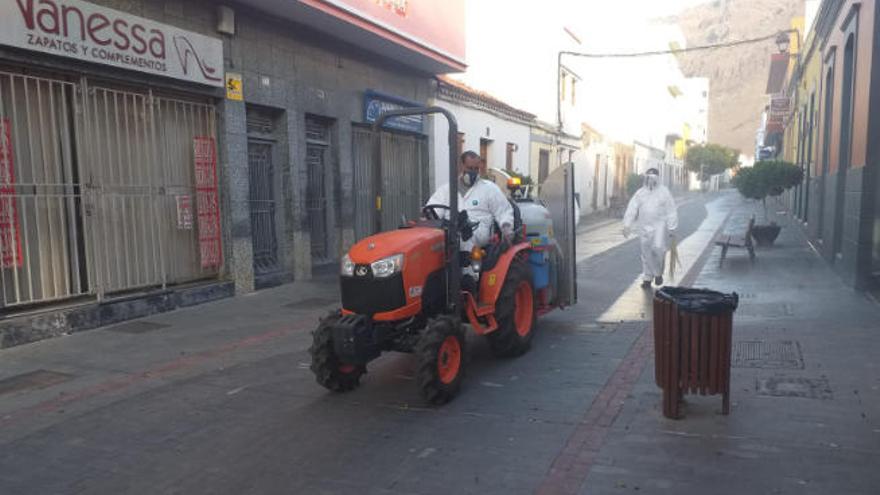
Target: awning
778	71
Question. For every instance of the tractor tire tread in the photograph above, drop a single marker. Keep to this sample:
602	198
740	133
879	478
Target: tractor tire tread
325	364
505	342
427	350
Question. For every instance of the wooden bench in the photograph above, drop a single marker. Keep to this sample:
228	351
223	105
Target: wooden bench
745	241
616	207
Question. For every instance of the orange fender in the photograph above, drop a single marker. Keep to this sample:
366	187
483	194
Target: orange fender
492	280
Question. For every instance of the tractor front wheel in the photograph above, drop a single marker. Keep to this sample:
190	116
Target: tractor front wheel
440	352
329	371
515	312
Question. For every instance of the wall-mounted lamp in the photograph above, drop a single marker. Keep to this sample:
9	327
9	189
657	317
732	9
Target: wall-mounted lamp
783	42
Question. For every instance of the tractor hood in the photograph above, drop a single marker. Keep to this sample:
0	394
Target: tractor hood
401	241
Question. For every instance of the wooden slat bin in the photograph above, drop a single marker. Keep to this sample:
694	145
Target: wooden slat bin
692	345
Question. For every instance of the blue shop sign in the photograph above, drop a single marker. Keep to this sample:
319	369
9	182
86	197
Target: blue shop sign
376	103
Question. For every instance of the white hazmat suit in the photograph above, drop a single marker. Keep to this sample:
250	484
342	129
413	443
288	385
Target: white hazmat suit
484	203
651	213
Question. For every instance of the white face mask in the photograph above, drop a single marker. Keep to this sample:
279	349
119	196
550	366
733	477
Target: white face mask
651	181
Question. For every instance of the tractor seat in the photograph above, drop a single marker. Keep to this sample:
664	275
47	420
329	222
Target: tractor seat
496	248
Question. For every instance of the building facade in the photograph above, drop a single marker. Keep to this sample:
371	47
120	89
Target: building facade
147	145
500	133
834	134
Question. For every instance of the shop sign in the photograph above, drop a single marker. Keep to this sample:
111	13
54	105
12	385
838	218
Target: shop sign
775	124
207	201
434	29
234	87
184	212
10	229
90	33
375	103
780	105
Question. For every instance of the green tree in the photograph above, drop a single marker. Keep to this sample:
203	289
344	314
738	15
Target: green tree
767	178
710	159
633	183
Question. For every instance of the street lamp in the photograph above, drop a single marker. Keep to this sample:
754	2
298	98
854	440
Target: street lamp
783	42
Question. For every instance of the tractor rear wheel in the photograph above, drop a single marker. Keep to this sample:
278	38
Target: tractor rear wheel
440	352
329	371
515	312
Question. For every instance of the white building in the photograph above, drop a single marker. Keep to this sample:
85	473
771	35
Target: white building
498	132
648	157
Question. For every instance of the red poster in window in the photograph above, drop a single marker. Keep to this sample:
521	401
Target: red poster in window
10	229
207	201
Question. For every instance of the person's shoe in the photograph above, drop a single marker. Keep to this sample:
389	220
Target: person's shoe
658	280
646	284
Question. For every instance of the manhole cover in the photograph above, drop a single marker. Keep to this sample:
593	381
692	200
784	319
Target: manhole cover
781	386
314	302
32	380
138	327
757	354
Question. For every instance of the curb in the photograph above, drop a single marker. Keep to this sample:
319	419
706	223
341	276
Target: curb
573	463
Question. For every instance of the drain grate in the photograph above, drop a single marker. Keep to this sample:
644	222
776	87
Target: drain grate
314	302
782	386
576	328
784	354
32	380
766	310
138	327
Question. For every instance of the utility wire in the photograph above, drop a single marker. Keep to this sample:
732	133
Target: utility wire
675	51
715	46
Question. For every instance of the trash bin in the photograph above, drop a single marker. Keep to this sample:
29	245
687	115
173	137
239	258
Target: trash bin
692	343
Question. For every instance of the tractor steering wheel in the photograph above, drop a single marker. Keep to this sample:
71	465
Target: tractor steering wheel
430	211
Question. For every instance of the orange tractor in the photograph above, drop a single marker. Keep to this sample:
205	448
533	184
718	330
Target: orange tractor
402	291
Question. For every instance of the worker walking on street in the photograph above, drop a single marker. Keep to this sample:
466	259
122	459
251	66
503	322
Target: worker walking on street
651	213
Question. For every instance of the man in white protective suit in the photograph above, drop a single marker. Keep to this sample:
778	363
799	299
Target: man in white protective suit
651	213
483	201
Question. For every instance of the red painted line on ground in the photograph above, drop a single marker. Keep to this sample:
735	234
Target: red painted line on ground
155	373
571	466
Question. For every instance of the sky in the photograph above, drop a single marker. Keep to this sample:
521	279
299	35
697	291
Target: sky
512	46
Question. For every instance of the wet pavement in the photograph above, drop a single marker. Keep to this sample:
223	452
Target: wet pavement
219	398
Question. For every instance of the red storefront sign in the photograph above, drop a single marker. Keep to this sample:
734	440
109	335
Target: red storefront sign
10	229
425	28
207	201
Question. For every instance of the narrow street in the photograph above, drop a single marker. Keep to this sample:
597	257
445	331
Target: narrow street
219	399
216	217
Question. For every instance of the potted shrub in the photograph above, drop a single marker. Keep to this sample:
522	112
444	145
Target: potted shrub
633	183
767	178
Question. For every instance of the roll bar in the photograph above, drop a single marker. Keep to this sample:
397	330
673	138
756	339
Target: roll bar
453	284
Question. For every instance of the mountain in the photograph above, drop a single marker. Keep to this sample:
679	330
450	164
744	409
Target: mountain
738	75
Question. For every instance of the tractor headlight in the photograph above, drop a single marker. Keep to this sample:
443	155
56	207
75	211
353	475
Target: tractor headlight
346	267
387	267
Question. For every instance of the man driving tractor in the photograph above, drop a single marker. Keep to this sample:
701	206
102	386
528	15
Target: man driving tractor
484	203
482	199
402	290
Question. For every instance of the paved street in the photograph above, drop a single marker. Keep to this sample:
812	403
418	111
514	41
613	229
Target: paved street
219	399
